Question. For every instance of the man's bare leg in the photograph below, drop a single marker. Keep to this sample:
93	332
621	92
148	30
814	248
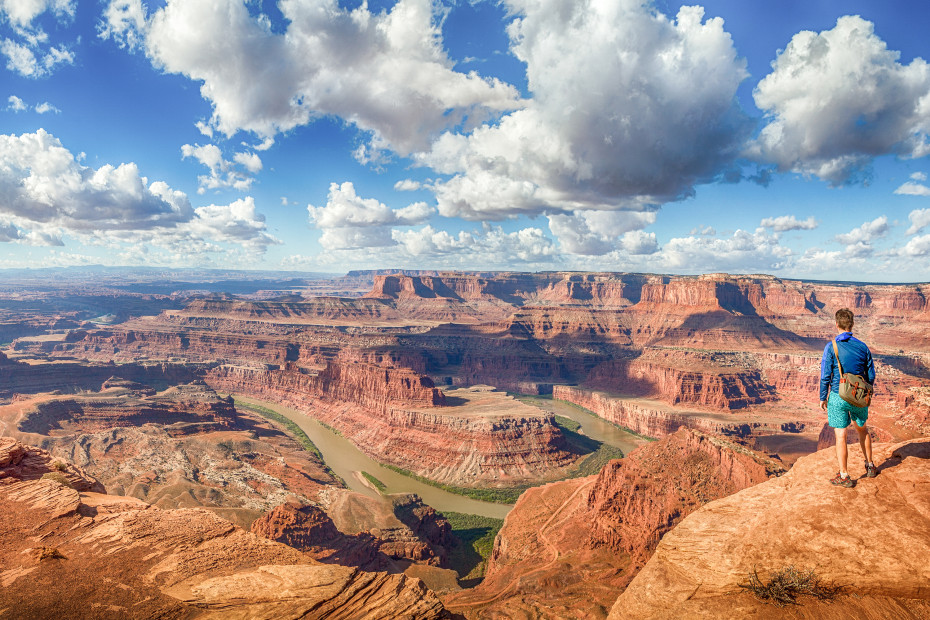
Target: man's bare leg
841	452
865	442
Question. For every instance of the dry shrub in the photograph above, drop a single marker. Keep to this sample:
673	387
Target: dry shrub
786	585
59	478
49	553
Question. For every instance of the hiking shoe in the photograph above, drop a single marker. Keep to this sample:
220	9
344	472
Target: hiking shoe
870	470
840	481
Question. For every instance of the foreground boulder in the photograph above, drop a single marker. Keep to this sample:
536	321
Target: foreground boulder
873	539
66	553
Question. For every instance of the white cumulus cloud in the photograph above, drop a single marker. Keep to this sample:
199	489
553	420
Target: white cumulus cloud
916	247
21	13
407	185
912	188
30	54
45	107
350	221
920	219
597	232
223	172
866	233
630	109
741	252
490	247
785	223
837	99
386	73
48	193
124	22
16	104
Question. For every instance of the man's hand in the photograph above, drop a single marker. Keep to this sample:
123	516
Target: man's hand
823	405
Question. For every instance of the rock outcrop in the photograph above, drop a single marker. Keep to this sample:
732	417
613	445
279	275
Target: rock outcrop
168	563
412	531
499	445
376	388
182	447
636	500
657	419
186	408
309	529
567	549
872	539
24	378
688	380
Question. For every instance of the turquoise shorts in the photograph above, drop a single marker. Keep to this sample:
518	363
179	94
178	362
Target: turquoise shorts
839	412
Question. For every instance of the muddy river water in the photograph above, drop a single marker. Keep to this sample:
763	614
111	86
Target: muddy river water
346	460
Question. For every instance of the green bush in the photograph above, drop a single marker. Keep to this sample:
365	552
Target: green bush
377	483
498	496
475	537
567	423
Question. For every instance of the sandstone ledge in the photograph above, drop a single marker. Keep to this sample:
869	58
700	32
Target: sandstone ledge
874	539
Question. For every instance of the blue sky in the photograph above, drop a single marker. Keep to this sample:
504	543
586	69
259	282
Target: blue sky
788	138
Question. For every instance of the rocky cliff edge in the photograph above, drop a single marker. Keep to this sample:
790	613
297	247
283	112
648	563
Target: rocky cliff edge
873	539
67	553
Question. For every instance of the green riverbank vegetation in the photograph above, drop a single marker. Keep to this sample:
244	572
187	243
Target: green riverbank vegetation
475	537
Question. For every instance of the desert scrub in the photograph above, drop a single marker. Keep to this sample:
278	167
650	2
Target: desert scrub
60	466
377	483
475	539
594	462
787	584
58	477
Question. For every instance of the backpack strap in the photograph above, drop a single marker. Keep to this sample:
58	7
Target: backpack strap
837	352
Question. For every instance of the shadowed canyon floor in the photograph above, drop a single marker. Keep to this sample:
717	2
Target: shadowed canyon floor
352	392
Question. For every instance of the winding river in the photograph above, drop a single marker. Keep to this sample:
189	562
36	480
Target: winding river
346	460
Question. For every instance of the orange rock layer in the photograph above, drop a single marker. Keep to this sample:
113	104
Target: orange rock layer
470	451
872	539
567	549
148	562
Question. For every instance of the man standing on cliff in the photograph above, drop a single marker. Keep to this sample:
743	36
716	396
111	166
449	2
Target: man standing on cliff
855	358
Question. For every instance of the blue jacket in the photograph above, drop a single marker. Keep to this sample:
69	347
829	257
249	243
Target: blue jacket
855	358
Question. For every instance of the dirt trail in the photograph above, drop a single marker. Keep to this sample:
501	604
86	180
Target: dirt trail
544	538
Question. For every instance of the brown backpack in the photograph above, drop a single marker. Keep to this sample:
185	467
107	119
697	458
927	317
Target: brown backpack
854	389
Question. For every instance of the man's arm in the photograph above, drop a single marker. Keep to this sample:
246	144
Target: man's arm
826	374
870	368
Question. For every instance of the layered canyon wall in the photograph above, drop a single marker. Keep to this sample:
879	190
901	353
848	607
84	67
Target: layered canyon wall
398	418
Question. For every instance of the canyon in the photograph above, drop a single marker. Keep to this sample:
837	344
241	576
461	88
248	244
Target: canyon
150	562
457	379
568	547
